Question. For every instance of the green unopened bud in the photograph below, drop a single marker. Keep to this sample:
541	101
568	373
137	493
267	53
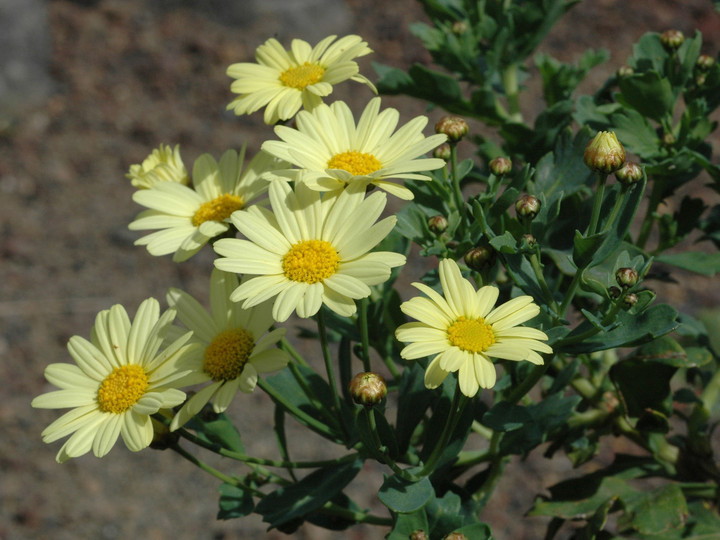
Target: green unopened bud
459	27
668	139
529	240
368	388
437	224
631	299
626	277
704	62
672	39
700	79
455	536
418	535
527	207
443	152
604	154
453	126
614	292
500	166
624	71
630	173
480	257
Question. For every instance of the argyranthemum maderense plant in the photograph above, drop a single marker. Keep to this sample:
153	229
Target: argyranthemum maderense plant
234	346
187	217
283	81
463	329
331	151
164	164
310	250
120	377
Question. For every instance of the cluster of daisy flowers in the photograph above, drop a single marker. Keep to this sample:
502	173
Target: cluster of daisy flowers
309	225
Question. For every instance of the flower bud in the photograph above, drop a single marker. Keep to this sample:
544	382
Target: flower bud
631	299
614	292
672	39
527	207
700	79
604	154
626	277
453	126
459	27
368	388
630	173
500	166
480	257
438	224
704	62
455	536
668	139
624	71
529	240
418	534
443	152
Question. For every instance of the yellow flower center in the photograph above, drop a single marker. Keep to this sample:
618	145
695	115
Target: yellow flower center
122	389
310	261
301	76
218	209
356	163
472	335
227	354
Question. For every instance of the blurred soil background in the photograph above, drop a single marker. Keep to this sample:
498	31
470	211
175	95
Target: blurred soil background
88	88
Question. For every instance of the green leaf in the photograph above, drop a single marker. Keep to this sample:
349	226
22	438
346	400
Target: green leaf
648	93
413	401
657	512
295	501
707	264
234	502
586	248
401	495
405	524
643	385
505	416
217	429
636	133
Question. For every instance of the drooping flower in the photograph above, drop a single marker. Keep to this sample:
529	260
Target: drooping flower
233	346
186	218
164	164
310	250
331	151
463	331
119	379
283	81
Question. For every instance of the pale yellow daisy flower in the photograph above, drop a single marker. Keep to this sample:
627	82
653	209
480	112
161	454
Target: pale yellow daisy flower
119	380
187	218
233	346
463	330
163	165
312	250
283	81
331	151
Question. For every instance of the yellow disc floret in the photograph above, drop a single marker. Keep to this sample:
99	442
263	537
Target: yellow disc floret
310	261
356	163
302	76
227	354
122	389
471	335
218	209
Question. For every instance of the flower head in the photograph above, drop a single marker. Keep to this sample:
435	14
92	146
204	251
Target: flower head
463	331
311	251
186	218
368	388
119	380
604	154
233	346
283	81
164	164
331	151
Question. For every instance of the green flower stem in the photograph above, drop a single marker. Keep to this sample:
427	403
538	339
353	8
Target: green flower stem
527	383
481	430
358	517
496	467
649	219
570	293
322	330
512	92
238	456
458	404
665	451
711	394
365	343
589	418
317	404
597	204
288	348
459	200
390	364
207	468
537	269
302	416
470	458
616	208
380	450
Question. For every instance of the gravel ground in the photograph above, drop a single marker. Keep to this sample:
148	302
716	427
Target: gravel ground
126	76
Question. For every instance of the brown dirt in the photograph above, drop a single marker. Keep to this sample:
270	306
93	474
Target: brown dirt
129	76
